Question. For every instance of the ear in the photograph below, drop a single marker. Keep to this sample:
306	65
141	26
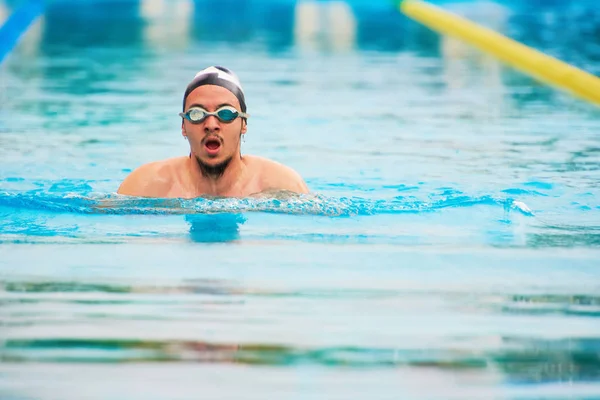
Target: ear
183	132
244	126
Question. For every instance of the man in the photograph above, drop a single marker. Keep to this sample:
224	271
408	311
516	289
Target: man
213	121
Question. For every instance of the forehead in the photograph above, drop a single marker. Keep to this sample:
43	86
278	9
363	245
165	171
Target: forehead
211	96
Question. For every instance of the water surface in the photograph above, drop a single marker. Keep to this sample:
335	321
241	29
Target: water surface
449	247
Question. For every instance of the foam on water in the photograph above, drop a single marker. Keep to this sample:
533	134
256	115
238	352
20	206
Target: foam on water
282	203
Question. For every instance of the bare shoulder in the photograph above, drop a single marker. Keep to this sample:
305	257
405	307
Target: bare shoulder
151	180
274	175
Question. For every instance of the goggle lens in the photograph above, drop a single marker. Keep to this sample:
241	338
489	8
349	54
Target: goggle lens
227	114
196	114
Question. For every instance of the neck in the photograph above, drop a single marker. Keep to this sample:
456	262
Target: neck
217	185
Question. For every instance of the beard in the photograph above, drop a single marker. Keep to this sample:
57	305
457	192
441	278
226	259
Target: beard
213	171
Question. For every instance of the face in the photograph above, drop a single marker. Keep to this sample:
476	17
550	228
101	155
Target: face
212	142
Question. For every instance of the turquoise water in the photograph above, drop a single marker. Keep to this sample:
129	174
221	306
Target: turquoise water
449	248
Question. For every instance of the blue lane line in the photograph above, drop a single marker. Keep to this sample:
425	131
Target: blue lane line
17	24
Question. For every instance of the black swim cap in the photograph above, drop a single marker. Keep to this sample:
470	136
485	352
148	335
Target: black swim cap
219	76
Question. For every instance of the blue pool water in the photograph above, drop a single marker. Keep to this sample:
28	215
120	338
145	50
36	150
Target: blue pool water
449	249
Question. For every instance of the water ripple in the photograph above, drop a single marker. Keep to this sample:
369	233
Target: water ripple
280	203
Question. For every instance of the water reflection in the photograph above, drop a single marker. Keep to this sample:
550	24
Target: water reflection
324	26
167	23
466	67
567	240
547	361
521	358
523	361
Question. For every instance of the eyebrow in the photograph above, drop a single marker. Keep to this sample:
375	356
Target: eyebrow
202	106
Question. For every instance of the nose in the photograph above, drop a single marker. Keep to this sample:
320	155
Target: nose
211	124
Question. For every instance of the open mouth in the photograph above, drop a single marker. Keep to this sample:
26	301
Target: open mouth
212	145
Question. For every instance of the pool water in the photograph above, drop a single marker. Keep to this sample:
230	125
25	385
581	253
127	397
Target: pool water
449	248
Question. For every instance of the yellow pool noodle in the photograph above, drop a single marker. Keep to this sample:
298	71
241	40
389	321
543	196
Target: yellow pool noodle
535	63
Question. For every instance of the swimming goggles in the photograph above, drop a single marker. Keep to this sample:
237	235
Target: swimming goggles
225	114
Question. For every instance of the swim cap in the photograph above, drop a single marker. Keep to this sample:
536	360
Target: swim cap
219	76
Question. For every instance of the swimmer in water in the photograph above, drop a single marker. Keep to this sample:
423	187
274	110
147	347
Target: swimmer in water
214	119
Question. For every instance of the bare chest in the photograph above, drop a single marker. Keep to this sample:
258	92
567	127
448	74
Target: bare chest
186	188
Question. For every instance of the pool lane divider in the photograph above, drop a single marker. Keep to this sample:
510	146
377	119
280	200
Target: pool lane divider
17	24
526	59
